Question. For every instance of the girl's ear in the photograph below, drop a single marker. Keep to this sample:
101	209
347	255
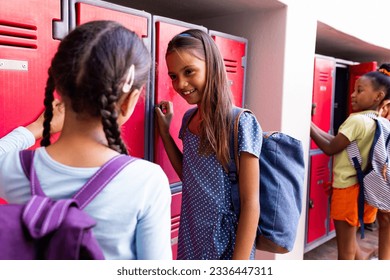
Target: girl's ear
380	96
127	106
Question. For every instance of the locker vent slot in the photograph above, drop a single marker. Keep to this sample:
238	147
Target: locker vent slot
13	34
324	77
231	65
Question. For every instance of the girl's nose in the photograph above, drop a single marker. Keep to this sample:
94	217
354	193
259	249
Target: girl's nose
183	84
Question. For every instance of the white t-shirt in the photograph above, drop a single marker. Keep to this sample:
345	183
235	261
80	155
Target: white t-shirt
132	212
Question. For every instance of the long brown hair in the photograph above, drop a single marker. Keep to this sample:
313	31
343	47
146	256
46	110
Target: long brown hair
216	100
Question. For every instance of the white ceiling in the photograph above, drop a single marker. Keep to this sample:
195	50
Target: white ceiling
187	10
329	41
335	43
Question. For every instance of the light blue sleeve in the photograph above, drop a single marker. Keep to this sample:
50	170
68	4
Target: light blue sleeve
153	233
250	134
18	139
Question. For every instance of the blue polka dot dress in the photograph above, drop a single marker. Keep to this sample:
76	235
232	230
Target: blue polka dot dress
208	223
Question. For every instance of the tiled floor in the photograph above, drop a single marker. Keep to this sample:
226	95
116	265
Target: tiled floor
328	250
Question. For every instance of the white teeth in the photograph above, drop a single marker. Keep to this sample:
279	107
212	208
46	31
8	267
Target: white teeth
188	92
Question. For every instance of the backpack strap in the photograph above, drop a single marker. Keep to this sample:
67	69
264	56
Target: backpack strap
356	161
26	157
43	215
90	189
233	166
26	160
101	178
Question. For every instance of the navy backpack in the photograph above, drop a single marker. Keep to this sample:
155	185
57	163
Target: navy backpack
282	172
54	230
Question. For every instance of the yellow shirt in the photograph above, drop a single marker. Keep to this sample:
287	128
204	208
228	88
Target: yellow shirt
360	128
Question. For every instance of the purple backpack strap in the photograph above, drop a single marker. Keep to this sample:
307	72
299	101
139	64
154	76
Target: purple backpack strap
90	189
26	159
42	215
101	178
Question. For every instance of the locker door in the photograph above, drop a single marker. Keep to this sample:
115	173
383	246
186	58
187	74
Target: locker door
355	71
175	222
164	30
318	198
233	50
134	131
322	94
26	49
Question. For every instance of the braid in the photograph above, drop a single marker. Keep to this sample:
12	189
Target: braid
109	120
48	115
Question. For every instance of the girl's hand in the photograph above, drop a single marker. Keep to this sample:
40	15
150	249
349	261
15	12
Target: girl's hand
58	117
36	127
164	114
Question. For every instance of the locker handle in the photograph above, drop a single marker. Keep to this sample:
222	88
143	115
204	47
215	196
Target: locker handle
313	108
311	204
328	188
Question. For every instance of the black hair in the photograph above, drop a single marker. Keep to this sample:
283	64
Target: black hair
90	69
381	79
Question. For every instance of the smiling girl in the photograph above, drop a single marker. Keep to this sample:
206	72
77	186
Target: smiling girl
370	91
209	228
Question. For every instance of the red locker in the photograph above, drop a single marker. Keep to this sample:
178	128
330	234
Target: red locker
134	132
164	30
233	50
26	49
175	222
355	71
320	180
322	94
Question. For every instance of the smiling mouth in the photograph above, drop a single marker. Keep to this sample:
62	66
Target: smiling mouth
187	92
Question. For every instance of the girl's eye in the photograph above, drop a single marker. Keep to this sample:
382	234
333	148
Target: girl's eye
188	71
173	77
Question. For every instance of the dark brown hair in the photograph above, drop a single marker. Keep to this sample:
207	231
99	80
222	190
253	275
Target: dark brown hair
216	100
90	69
381	79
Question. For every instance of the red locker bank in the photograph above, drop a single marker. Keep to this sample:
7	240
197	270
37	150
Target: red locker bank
26	48
30	31
318	222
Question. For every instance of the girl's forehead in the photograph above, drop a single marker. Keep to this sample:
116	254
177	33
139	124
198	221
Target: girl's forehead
182	57
364	81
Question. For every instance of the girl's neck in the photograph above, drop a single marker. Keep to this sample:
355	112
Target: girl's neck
81	144
194	124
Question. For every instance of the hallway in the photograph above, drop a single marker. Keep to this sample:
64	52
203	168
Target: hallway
328	250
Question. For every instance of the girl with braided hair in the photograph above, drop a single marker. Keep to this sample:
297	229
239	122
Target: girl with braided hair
371	91
98	71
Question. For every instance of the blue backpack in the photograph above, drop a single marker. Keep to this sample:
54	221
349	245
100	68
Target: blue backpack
374	181
282	172
54	230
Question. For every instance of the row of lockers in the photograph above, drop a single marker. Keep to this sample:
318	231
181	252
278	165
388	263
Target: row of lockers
333	84
30	31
